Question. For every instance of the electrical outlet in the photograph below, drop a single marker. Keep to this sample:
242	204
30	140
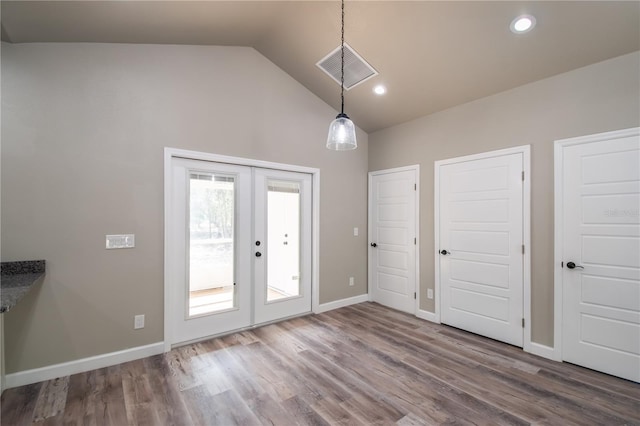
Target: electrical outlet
138	322
429	293
352	281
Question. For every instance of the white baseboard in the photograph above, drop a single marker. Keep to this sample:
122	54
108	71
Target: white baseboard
426	315
341	303
36	375
543	351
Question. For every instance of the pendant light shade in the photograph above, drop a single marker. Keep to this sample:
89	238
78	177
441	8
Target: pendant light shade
342	132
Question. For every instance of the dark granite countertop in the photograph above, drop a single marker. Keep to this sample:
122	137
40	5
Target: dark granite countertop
16	279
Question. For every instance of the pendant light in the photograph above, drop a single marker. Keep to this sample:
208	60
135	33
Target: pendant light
342	132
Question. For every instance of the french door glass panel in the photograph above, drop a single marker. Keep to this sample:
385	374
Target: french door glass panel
283	240
211	243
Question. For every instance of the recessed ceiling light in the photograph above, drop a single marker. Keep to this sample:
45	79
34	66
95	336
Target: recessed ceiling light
523	24
379	89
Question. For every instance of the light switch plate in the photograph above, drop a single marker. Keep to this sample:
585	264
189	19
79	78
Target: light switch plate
121	241
355	232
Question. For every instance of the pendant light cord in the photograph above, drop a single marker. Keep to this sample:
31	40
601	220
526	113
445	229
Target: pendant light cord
342	65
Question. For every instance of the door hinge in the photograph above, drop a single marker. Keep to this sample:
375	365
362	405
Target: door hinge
522	322
562	264
415	186
415	296
523	249
415	241
523	175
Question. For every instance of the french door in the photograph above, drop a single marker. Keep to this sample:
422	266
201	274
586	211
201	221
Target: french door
239	245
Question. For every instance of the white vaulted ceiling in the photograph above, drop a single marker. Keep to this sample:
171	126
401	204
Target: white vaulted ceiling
430	55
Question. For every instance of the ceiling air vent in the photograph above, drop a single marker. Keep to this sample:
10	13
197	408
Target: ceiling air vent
356	69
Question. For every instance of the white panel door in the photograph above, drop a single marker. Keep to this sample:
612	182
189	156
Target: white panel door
481	240
600	233
392	248
283	242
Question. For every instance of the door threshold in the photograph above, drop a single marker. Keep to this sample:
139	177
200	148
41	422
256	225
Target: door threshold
237	330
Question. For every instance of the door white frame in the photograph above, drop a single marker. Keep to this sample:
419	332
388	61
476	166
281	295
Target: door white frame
416	169
170	153
559	146
525	150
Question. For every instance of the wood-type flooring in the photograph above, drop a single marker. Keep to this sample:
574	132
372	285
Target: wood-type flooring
360	365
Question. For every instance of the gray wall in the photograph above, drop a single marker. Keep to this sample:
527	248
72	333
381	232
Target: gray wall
83	132
594	99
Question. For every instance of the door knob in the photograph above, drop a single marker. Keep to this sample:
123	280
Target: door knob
374	245
572	265
445	252
258	254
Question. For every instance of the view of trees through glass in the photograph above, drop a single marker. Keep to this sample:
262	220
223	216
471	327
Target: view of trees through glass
211	245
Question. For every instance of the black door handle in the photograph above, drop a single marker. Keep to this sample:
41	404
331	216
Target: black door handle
258	254
374	245
445	252
572	265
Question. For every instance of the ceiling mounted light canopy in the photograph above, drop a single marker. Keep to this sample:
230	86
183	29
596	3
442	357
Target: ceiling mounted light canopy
342	132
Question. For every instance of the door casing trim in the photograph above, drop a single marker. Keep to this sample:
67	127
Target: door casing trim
558	149
416	169
525	150
170	153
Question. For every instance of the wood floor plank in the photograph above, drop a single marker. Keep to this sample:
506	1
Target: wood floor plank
51	399
231	409
303	413
138	400
113	403
18	404
359	365
77	408
334	413
84	398
270	412
198	402
167	402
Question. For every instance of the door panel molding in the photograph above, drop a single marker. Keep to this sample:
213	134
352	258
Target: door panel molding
173	153
524	150
559	230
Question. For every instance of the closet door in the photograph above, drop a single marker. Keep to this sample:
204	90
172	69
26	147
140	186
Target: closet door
598	245
481	251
